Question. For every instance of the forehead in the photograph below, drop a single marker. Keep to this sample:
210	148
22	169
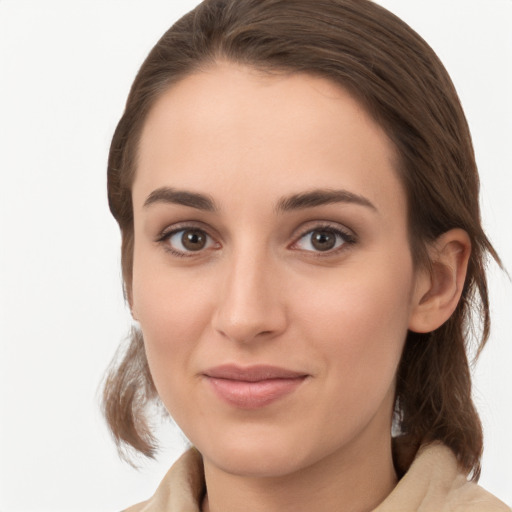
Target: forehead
232	126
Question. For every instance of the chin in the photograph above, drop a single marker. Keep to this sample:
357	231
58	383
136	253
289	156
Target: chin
259	456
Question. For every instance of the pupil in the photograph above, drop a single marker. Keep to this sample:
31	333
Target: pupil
323	240
193	240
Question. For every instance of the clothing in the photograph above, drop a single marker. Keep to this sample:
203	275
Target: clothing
433	483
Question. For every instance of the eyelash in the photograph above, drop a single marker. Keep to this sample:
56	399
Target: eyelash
347	238
167	234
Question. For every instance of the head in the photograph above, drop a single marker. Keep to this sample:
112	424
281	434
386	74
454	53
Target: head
379	65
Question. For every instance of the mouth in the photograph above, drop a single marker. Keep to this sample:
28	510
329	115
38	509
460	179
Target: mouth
253	387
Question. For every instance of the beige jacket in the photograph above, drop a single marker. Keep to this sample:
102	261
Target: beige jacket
433	483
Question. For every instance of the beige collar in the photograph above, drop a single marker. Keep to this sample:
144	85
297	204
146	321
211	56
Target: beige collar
433	483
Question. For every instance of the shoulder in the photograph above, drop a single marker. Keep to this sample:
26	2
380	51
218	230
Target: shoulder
470	497
461	495
181	489
434	483
465	496
139	507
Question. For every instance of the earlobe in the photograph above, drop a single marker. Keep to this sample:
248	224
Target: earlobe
439	288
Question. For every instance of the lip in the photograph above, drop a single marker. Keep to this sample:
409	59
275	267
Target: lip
253	387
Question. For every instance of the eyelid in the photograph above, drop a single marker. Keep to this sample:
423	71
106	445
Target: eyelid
165	235
348	236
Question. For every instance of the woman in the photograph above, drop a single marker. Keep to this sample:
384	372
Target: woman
298	200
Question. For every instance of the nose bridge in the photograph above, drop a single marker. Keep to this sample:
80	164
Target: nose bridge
249	304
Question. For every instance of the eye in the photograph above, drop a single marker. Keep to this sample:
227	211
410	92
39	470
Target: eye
323	239
185	241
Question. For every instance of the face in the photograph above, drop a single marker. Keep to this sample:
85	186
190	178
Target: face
272	277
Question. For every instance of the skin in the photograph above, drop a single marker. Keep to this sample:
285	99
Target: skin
260	292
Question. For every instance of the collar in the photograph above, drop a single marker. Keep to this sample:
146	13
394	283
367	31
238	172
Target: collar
433	483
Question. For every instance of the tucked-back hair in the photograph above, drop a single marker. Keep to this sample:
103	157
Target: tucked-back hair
402	84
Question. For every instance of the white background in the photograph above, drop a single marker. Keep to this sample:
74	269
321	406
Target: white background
65	70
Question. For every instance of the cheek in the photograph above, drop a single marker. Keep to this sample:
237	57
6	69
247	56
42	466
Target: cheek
173	310
359	321
167	300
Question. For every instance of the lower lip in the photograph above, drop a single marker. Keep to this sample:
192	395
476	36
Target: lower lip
253	395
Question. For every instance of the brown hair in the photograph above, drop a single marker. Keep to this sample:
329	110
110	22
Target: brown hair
398	78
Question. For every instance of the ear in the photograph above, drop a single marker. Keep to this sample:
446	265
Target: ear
438	289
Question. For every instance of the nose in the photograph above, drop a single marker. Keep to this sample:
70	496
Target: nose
250	302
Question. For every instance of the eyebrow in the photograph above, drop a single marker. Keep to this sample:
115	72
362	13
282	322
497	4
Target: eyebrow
320	197
301	201
183	197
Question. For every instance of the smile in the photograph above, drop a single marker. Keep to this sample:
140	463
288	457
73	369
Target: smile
252	387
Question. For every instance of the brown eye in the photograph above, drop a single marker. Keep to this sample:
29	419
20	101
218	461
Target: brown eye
193	240
323	240
189	240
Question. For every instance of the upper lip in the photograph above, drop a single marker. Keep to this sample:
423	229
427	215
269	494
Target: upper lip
253	373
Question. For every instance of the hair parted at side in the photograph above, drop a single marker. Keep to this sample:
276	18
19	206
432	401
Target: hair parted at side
402	84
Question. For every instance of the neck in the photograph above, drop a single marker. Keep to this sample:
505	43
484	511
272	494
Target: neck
354	479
